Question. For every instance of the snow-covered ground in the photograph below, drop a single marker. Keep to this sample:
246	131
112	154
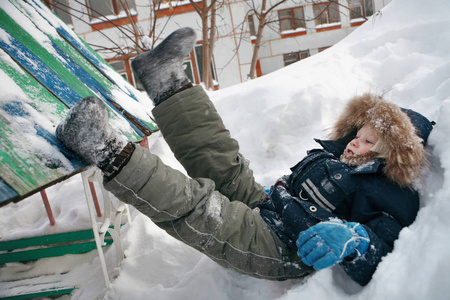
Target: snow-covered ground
403	52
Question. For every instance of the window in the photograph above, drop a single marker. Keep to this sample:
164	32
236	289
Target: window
123	67
251	25
293	57
119	66
170	8
326	13
360	9
199	58
187	67
323	48
291	19
62	9
107	8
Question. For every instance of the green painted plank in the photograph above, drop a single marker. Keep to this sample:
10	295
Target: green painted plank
72	52
55	291
23	173
55	251
123	89
49	59
45	240
38	69
21	168
44	101
41	99
95	72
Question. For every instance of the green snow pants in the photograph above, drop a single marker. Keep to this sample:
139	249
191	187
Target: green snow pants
212	209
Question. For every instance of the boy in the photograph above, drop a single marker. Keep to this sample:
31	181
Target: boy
337	207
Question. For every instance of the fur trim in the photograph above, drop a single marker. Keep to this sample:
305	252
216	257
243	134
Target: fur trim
355	160
402	149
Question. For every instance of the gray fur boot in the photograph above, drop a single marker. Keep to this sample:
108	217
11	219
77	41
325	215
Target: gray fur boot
87	132
161	70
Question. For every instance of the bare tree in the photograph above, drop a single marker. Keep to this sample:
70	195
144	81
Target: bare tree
263	11
261	14
207	12
138	39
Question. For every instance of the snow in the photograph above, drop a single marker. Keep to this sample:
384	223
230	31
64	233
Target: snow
401	52
38	35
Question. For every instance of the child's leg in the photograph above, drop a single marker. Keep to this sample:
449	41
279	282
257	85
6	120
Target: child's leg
193	212
196	134
189	122
190	210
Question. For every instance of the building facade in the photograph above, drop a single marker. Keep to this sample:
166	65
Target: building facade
294	30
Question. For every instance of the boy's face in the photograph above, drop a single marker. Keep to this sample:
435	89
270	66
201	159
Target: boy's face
364	140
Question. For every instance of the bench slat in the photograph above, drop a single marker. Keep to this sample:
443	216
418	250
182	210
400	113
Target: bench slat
29	255
47	240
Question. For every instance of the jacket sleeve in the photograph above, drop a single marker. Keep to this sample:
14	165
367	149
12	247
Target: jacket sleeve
383	213
362	268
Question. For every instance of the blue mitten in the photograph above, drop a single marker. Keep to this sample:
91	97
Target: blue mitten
328	243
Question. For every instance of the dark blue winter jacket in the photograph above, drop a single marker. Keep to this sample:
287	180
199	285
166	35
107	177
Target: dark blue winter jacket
321	187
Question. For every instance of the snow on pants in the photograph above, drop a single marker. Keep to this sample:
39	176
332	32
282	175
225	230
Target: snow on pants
211	210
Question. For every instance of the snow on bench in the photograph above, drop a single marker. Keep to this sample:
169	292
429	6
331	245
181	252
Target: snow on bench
45	68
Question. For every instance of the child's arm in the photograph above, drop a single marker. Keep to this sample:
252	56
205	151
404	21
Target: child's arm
391	209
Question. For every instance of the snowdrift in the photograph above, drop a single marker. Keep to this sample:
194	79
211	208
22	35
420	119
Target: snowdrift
402	52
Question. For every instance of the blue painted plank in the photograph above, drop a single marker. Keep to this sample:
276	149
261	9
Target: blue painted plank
50	79
7	194
78	44
24	169
97	62
46	76
16	108
93	84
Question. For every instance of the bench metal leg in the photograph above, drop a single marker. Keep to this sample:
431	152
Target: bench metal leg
111	212
48	208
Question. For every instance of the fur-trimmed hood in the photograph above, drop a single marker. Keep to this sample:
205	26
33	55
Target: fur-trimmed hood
404	141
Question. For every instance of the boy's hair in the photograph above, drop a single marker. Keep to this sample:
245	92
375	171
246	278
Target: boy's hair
398	142
380	147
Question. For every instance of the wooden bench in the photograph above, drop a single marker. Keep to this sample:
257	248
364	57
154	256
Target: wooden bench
34	248
49	69
106	231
